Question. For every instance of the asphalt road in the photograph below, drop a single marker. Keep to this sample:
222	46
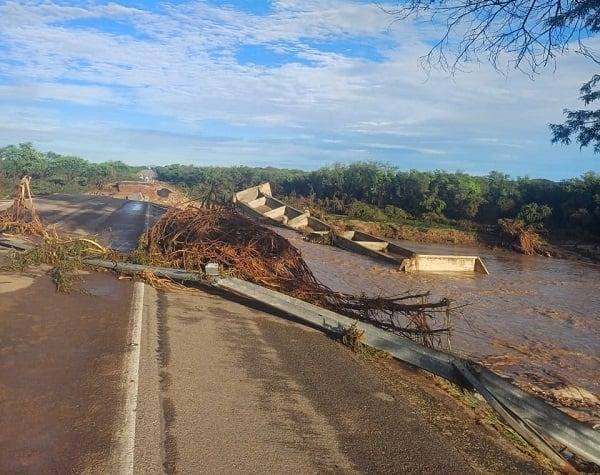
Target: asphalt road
247	392
221	386
117	223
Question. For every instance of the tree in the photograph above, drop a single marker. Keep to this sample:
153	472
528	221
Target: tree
99	174
461	193
526	34
535	214
21	160
68	167
411	191
502	196
583	124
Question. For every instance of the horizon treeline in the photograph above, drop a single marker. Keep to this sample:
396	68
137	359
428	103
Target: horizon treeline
367	190
376	191
55	173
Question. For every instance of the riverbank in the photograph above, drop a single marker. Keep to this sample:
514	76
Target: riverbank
560	244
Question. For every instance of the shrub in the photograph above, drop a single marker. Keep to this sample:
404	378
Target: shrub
535	215
365	212
396	214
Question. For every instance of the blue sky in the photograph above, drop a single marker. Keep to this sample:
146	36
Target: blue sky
294	83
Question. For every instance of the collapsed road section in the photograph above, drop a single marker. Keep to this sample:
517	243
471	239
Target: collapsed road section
227	391
205	236
258	202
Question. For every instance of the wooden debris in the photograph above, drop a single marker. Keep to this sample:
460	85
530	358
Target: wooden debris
192	237
21	217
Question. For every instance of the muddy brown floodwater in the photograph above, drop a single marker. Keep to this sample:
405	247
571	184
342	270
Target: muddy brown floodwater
533	319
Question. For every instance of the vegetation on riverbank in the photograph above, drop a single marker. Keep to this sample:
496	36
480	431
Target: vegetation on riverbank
377	222
413	205
380	193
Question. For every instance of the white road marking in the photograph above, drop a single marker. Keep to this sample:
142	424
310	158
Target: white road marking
147	217
127	434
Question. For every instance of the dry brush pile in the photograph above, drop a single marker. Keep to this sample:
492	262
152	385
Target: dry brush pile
21	217
190	238
63	253
517	235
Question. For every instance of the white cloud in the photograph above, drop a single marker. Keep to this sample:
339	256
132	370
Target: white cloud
181	65
78	94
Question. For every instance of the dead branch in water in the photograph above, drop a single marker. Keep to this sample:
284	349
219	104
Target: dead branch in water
192	237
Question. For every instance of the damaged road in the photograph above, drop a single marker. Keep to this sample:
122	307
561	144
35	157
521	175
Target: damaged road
223	386
60	372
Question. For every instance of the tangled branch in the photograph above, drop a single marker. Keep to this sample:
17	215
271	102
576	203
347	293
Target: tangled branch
21	217
190	238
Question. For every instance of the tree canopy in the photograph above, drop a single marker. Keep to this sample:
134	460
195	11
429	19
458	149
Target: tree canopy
53	172
376	191
583	124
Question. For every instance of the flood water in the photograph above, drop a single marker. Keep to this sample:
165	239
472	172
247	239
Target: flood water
533	319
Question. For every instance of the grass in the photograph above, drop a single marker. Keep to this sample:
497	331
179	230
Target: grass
352	337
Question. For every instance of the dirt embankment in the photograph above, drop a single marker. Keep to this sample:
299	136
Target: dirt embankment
408	233
154	192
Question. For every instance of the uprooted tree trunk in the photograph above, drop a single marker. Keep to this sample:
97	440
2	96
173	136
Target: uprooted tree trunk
192	237
21	217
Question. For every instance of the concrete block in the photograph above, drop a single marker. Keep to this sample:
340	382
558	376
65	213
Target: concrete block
212	268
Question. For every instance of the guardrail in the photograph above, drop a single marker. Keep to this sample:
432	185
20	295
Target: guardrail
534	419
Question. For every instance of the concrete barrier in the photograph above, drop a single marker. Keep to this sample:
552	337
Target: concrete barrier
258	203
438	263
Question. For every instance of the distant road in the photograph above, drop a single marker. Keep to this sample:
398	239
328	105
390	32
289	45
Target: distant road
116	222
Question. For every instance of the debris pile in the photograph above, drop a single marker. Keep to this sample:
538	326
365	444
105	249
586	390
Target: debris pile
64	255
192	237
517	235
21	217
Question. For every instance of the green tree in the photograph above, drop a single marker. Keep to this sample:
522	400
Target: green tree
411	192
68	167
535	214
461	193
432	206
21	160
502	197
99	174
583	124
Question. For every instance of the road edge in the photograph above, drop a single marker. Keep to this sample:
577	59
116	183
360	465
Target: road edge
124	457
